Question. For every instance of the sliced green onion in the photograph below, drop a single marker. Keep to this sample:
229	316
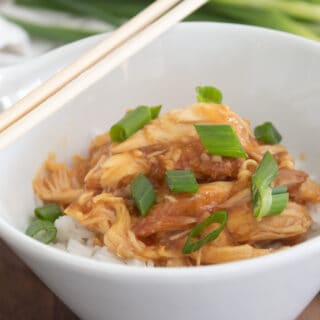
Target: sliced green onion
143	193
132	122
154	111
208	94
42	230
262	202
279	189
49	212
220	139
279	202
217	217
266	171
265	200
182	181
267	133
261	179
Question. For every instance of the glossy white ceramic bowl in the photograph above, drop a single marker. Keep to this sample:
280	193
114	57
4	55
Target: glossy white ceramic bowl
264	75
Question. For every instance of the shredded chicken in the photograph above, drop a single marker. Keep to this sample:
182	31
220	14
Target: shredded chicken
96	192
244	228
55	182
121	168
182	211
291	178
213	255
172	133
178	125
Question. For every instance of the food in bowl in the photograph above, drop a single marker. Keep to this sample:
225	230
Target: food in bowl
191	187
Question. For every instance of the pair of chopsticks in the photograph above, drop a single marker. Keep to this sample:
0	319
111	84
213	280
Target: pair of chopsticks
99	61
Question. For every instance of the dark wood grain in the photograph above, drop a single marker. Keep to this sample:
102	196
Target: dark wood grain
23	296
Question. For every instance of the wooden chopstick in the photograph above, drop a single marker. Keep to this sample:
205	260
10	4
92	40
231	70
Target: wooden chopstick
99	69
59	80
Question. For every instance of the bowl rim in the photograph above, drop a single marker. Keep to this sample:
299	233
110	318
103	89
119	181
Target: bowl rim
301	251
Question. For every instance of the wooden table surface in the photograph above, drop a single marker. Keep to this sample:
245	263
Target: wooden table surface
24	297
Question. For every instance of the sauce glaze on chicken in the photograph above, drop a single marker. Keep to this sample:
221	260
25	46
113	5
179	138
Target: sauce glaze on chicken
96	192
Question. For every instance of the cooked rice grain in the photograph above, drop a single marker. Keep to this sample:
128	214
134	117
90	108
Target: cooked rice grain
75	239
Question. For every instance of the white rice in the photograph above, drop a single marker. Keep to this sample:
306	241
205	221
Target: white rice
76	239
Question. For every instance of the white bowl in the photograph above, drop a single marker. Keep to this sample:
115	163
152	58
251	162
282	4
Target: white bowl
264	75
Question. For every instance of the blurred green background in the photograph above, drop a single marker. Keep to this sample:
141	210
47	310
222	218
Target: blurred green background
295	16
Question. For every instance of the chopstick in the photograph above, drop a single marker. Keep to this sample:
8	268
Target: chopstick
55	83
91	67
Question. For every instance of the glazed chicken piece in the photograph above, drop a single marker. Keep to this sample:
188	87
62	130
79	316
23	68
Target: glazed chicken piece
171	142
99	147
185	211
244	228
257	151
116	171
94	212
300	187
121	168
309	192
55	182
291	178
211	254
178	125
108	217
179	212
193	156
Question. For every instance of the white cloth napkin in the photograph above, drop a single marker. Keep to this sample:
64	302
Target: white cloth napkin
16	46
14	43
